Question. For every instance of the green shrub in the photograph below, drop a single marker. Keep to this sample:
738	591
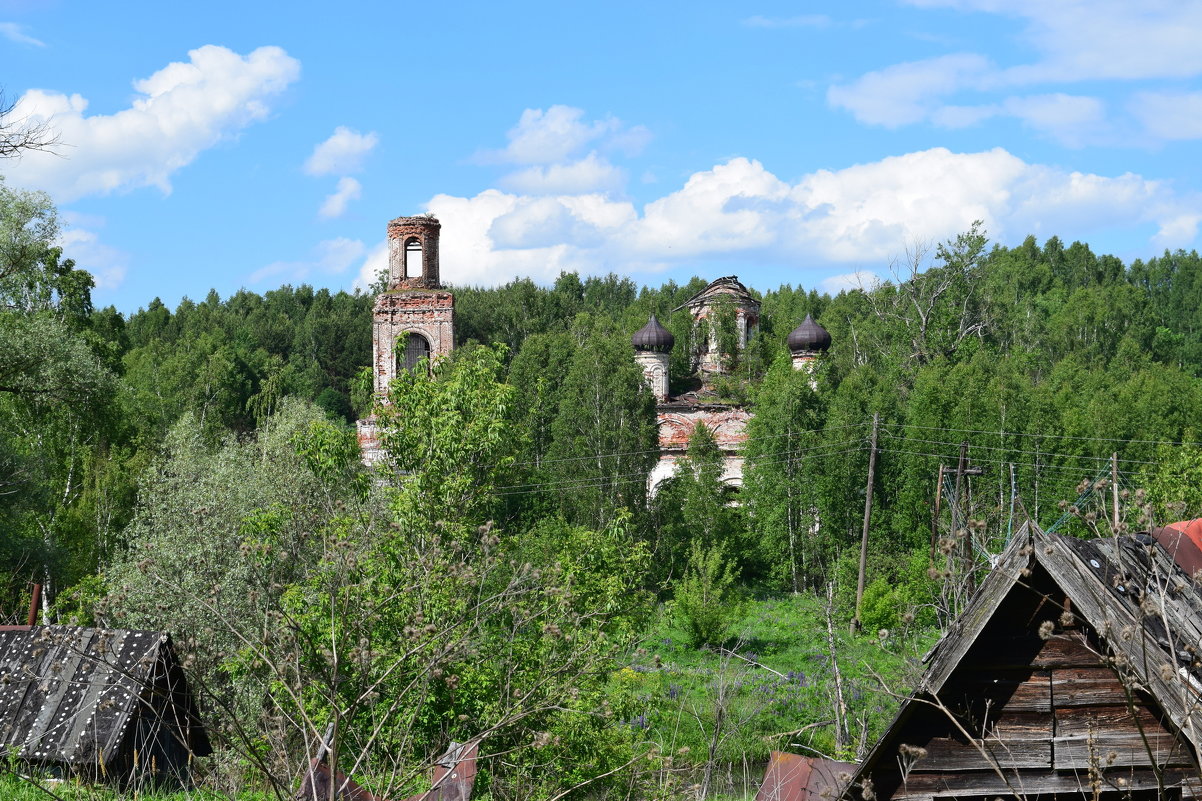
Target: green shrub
705	604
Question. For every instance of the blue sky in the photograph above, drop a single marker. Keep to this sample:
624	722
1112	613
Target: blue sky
223	145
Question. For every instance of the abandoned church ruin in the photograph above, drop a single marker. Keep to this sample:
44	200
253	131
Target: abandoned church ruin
679	416
414	318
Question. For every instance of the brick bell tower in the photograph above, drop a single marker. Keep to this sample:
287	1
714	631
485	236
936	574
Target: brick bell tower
412	319
415	316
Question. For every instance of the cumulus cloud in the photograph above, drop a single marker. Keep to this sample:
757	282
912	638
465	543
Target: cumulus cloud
560	133
179	111
335	205
342	153
108	265
864	213
591	173
331	257
1076	41
15	32
860	279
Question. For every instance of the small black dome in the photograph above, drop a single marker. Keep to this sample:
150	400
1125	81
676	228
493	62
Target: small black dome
653	336
809	336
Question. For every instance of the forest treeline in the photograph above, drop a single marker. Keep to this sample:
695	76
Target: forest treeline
1045	356
195	469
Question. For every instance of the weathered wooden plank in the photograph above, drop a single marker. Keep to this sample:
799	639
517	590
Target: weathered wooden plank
1083	720
1028	783
1118	749
1094	599
1100	686
1020	691
1066	649
948	754
964	631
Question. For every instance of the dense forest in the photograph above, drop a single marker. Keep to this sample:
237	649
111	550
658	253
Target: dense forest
195	470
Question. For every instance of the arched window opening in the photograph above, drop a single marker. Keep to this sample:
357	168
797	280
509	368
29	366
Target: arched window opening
417	347
413	258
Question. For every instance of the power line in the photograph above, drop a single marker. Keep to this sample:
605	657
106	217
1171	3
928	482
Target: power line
999	432
602	480
641	477
616	454
1017	450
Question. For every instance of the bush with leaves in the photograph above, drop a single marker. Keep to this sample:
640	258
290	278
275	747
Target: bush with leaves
705	601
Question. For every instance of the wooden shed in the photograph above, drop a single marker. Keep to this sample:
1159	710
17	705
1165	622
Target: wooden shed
107	704
1073	674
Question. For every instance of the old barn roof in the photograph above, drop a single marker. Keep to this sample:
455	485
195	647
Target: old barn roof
1145	610
85	697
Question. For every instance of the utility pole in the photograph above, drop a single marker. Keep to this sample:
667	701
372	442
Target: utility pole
957	521
1114	490
876	422
935	517
1013	495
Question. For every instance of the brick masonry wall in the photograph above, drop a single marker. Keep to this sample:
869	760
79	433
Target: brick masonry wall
428	313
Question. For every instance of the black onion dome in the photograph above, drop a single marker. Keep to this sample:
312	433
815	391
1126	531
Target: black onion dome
809	336
653	336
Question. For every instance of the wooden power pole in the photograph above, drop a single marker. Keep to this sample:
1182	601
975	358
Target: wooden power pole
935	516
876	422
1114	492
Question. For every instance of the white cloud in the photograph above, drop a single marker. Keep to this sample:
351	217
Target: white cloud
342	153
591	173
907	93
330	257
1074	120
860	279
861	214
1076	41
1169	115
375	263
335	204
560	133
107	264
336	255
15	32
180	111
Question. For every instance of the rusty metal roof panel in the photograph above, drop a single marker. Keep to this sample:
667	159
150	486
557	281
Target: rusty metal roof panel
792	777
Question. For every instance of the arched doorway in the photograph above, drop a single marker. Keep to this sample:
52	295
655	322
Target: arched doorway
417	347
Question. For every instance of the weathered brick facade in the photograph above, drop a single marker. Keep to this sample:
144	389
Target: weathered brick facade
414	317
677	420
704	307
398	317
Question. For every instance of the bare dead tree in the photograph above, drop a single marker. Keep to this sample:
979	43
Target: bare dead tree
23	134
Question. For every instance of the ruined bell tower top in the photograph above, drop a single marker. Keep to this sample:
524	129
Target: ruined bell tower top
413	253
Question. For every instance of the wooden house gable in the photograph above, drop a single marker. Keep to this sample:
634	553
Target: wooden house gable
1028	694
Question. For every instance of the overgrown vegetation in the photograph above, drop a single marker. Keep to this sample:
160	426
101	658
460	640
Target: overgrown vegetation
510	575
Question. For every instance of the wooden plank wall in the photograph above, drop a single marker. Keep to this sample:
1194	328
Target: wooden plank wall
1043	714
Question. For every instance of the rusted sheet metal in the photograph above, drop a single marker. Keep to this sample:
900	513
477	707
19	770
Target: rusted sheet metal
792	777
454	774
453	779
318	786
1183	541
